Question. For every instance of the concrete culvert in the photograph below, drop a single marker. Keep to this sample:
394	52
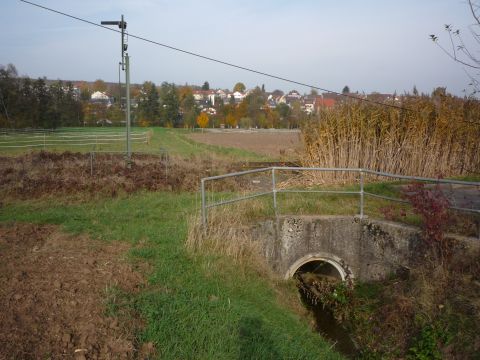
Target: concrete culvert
320	267
320	264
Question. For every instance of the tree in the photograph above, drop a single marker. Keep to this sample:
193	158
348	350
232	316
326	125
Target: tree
85	91
202	120
187	106
277	92
206	86
415	91
240	87
459	52
170	105
99	85
231	120
283	110
297	115
346	90
255	102
272	117
241	111
27	103
148	104
8	94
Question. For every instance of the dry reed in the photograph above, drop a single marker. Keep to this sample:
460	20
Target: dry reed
437	136
229	235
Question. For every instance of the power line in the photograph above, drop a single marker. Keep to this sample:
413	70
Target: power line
217	60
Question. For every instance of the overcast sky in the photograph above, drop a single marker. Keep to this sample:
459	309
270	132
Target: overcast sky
369	45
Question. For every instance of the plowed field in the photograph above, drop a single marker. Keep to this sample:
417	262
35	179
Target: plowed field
54	292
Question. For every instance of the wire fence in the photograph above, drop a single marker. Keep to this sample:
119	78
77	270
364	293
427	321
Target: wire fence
47	138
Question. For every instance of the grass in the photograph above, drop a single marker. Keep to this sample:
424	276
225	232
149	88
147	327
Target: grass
172	140
321	203
178	144
195	307
202	305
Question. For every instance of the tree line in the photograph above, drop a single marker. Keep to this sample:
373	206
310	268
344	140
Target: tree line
171	105
27	103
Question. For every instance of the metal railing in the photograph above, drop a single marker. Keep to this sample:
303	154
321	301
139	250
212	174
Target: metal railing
361	192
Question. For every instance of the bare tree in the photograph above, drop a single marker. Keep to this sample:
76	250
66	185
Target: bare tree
458	51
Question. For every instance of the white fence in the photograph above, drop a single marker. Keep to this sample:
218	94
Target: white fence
44	139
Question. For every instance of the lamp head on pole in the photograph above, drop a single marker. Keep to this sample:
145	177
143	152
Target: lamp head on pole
120	24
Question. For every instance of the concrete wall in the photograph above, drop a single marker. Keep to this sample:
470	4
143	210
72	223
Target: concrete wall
363	249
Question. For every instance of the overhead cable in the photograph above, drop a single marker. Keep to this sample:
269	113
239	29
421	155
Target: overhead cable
219	61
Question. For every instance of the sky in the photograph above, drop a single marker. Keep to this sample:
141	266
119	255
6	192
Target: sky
369	45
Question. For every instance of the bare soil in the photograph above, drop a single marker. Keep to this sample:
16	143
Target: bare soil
53	295
278	144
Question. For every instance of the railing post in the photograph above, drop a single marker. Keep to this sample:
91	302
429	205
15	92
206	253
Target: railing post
361	194
274	192
204	209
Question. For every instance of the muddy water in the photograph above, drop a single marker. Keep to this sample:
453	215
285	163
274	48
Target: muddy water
329	328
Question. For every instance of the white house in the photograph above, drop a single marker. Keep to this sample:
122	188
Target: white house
98	95
238	96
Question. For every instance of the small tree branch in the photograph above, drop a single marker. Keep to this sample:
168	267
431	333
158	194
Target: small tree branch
451	56
472	9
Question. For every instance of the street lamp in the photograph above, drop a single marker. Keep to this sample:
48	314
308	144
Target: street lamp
125	63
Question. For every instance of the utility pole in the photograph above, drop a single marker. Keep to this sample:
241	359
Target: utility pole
125	63
127	78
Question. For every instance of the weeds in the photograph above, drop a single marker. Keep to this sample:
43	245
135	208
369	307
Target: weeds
432	206
426	345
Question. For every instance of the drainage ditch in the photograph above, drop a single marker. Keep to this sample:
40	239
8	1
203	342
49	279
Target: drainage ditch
308	276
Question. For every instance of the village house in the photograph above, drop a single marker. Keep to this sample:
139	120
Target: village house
99	97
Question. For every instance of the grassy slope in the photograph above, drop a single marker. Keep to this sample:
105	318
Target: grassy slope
196	307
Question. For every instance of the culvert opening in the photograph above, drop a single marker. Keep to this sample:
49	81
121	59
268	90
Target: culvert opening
321	268
317	279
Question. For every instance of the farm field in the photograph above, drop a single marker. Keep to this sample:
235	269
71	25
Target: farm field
277	144
99	258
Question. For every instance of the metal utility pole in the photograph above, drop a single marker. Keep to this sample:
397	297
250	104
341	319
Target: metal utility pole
127	78
125	63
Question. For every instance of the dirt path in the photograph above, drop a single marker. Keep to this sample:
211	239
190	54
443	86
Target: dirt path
53	295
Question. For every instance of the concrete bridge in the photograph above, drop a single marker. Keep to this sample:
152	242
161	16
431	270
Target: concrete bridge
345	247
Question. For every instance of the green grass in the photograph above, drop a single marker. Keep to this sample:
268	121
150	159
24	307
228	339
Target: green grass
172	140
195	307
177	143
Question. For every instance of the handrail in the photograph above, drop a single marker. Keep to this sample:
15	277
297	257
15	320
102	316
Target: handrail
362	193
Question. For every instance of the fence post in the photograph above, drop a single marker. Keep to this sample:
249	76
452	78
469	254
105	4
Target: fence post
91	163
361	194
274	191
44	142
204	209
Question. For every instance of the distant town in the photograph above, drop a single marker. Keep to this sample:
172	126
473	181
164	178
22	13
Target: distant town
54	103
239	107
